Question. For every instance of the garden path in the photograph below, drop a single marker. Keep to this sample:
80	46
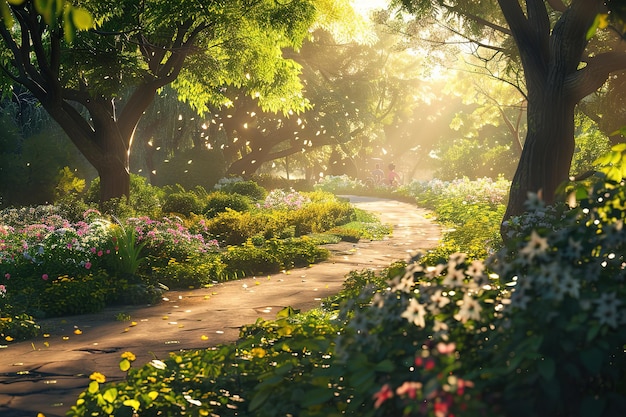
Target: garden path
46	374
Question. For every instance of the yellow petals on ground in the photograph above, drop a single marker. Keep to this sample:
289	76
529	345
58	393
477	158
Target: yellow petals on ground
204	337
8	339
78	331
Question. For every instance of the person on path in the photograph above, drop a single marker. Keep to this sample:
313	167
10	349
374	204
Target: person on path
378	174
393	178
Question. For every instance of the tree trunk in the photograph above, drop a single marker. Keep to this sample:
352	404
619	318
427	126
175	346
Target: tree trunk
547	154
114	180
555	83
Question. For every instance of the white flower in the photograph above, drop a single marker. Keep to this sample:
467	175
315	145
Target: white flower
548	274
536	246
415	313
404	283
158	364
378	300
439	299
192	401
470	309
570	285
476	270
440	326
607	313
454	278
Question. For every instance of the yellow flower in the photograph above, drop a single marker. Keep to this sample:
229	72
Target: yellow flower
98	377
129	355
8	339
258	352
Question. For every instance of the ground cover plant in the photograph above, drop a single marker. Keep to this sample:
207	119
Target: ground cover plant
52	264
538	328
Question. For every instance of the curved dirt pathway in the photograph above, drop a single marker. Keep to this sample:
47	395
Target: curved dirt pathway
47	374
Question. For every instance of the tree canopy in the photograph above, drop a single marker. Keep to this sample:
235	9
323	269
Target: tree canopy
98	86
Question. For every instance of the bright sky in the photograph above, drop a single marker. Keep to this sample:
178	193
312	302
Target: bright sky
364	6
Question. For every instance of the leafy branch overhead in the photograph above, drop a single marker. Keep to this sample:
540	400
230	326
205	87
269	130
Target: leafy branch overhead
72	18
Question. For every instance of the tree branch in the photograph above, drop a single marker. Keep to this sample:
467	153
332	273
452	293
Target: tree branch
588	79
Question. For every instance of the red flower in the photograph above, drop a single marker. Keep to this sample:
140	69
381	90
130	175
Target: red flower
383	395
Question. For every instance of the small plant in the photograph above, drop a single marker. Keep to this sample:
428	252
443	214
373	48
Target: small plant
128	256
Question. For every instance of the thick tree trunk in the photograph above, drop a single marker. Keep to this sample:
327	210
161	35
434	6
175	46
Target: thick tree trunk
547	154
114	179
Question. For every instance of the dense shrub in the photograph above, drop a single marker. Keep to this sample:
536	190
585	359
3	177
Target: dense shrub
217	202
196	272
272	256
182	202
145	199
247	188
68	295
233	227
321	216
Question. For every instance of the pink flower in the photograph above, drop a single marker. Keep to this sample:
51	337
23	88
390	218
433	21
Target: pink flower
93	250
7	275
100	253
409	388
44	277
446	349
88	265
383	395
108	251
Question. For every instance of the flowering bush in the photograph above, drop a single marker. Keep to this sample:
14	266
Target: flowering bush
340	184
169	238
465	191
282	200
471	212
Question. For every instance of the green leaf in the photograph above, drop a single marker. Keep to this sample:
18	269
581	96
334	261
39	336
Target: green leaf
361	379
317	396
546	368
6	14
93	387
581	193
259	399
592	359
620	147
287	312
110	395
134	404
614	174
592	332
592	407
82	19
594	27
385	366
